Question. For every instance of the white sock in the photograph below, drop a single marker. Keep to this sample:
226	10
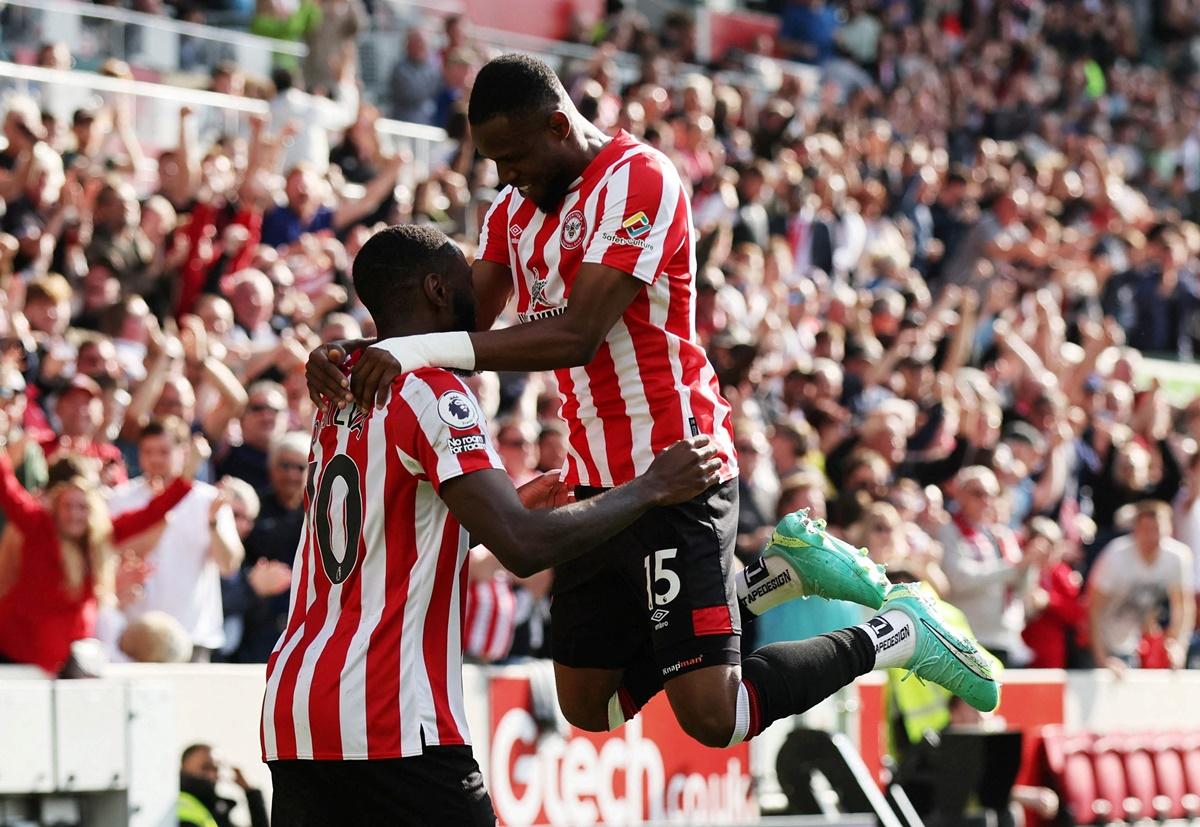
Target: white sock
894	637
741	719
766	583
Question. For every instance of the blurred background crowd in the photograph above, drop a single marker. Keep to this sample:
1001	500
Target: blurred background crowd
947	272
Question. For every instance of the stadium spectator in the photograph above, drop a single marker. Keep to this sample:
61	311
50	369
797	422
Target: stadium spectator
263	421
1138	580
199	544
199	804
259	595
416	80
987	572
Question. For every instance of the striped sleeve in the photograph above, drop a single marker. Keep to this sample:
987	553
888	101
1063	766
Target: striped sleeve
644	219
451	438
493	236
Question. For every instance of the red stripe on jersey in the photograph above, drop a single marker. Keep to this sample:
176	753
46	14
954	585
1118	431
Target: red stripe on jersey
712	620
437	626
324	701
611	411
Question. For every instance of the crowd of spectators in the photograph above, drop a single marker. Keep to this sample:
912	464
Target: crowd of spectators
933	257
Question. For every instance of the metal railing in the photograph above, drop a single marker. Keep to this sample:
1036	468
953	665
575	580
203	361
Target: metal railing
94	33
154	111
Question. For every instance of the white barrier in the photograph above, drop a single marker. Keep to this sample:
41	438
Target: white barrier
151	41
155	111
60	735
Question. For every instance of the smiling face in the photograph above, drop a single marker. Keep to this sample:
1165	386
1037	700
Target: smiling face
531	154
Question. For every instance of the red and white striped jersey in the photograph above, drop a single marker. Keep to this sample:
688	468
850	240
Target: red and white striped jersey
650	383
370	663
491	619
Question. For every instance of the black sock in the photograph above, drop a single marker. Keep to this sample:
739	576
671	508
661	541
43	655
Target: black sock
792	677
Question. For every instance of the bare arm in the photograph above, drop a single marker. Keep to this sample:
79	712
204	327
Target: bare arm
599	296
528	541
1097	602
348	212
226	548
233	398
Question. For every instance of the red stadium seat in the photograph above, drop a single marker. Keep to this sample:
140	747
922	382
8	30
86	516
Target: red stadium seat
1069	763
1140	777
1109	771
1168	773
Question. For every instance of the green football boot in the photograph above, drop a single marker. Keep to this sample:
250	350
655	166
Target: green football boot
828	567
944	656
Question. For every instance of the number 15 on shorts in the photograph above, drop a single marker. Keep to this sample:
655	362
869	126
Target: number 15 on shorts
658	574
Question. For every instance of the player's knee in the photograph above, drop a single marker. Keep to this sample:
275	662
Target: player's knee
584	715
711	727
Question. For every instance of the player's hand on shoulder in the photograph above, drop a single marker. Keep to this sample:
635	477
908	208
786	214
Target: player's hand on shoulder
323	371
371	377
685	470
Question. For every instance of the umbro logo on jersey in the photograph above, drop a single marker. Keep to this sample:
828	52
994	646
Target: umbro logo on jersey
659	615
515	231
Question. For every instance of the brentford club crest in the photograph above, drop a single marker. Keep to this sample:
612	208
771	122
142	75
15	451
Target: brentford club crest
573	229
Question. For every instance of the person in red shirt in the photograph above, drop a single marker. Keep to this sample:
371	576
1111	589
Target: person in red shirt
66	559
1057	600
80	411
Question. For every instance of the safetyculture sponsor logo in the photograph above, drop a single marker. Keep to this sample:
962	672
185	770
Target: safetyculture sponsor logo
613	238
636	225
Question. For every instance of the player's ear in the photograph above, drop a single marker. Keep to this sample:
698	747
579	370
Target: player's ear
437	291
560	124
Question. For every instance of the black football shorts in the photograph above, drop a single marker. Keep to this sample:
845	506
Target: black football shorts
666	580
441	786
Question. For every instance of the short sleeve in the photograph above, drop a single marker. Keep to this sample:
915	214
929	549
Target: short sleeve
451	437
645	219
493	236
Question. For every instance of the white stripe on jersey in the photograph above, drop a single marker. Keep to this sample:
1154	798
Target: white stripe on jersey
333	611
637	407
352	686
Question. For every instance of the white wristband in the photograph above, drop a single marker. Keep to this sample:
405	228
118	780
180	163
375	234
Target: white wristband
443	350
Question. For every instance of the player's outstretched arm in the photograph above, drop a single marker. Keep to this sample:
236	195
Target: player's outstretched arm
527	541
599	295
